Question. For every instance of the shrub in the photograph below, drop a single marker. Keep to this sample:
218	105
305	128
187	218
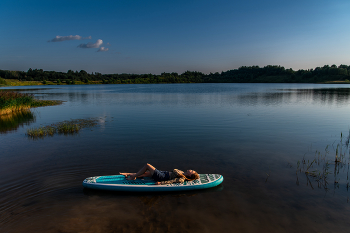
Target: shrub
3	81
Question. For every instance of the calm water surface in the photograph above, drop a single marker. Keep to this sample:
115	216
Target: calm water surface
260	137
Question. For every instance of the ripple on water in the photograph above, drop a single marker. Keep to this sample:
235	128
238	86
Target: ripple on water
27	192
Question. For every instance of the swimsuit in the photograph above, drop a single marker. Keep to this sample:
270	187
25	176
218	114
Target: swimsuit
160	175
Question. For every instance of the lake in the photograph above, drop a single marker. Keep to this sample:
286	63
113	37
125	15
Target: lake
282	149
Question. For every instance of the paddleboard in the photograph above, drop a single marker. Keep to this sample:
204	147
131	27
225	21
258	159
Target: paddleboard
146	184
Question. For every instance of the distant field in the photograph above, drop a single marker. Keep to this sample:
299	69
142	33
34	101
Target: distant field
15	82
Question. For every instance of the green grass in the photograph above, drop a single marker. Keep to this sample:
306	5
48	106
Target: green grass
65	127
41	132
68	128
346	81
11	101
43	103
16	82
3	82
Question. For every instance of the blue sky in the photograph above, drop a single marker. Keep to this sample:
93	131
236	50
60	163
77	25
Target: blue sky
134	36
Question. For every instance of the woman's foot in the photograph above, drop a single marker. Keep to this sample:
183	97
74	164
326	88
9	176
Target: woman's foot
131	177
124	174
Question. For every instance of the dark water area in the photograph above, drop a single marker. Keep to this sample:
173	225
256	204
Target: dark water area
275	145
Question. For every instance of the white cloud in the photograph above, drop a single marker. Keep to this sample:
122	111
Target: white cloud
102	49
98	43
63	38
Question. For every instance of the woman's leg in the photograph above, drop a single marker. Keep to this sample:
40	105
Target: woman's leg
126	174
148	167
146	174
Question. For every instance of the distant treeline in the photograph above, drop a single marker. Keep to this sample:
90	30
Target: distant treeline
244	74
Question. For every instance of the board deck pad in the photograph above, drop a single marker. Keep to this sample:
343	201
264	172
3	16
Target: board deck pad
146	184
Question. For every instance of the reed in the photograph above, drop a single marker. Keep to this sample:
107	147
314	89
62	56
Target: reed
3	82
68	128
42	103
11	101
41	132
323	165
16	82
65	127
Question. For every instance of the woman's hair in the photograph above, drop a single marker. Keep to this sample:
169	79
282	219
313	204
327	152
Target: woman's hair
192	177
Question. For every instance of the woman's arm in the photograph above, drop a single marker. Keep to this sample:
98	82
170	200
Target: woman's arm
176	180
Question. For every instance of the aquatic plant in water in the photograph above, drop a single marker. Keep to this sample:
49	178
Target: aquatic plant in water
11	101
42	103
41	131
323	165
65	127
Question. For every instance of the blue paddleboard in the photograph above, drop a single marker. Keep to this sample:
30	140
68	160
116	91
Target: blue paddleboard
119	183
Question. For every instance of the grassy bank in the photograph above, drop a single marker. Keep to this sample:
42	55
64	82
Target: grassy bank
16	82
235	76
11	101
338	82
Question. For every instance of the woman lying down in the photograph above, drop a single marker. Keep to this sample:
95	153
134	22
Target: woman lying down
162	177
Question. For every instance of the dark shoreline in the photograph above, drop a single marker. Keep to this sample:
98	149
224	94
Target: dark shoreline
244	74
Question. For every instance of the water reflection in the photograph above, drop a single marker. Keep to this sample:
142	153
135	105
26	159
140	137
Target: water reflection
338	96
104	193
12	122
327	96
228	94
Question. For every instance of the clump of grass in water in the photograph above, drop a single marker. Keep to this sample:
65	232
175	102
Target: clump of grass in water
41	132
319	168
68	128
65	127
11	101
42	103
